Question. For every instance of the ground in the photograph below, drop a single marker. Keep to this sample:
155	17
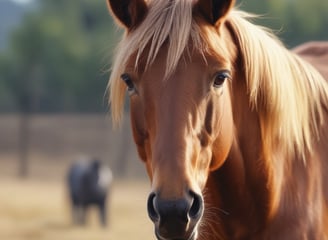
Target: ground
37	208
34	210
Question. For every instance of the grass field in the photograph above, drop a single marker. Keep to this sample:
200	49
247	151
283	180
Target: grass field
34	210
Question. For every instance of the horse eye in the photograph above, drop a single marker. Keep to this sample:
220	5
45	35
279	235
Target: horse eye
129	83
220	78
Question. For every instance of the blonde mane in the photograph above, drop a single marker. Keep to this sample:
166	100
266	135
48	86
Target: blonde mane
289	93
286	91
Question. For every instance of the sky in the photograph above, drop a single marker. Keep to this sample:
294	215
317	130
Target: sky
22	1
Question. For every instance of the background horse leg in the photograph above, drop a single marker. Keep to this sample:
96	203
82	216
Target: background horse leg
75	214
81	214
102	213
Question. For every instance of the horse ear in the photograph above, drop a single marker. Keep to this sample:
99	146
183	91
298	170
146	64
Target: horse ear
129	13
215	10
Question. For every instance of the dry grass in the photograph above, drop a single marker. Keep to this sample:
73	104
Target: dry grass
34	210
37	209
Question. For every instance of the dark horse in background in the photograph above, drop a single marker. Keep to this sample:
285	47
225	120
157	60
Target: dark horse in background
231	125
89	185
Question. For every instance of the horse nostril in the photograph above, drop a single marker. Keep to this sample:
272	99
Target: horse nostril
175	213
196	208
152	212
175	218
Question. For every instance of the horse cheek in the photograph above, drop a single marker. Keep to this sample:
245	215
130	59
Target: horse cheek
221	146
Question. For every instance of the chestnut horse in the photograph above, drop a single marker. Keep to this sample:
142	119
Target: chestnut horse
231	126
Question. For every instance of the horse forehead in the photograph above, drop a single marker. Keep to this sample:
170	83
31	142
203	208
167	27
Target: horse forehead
187	79
191	60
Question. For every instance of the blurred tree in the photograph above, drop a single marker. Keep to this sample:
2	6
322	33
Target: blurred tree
21	72
62	47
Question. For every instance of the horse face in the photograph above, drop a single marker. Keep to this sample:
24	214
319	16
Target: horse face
182	121
182	126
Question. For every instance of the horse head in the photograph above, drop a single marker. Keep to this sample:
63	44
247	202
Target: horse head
180	100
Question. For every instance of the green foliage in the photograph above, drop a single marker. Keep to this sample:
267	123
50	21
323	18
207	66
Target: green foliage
57	57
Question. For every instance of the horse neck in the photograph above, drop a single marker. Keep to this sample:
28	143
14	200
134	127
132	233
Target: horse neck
250	194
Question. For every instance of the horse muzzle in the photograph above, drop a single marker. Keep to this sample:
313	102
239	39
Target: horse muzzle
176	219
